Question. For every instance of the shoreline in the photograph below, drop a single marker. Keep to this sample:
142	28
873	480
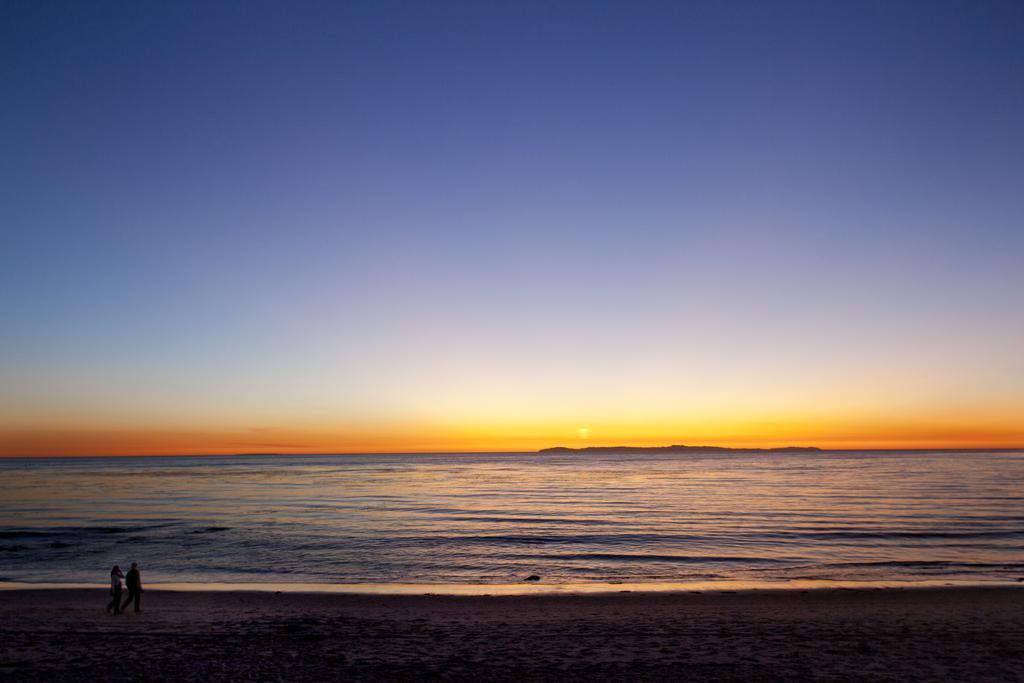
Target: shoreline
926	634
532	588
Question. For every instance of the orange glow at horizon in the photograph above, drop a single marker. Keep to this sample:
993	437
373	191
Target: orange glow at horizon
42	442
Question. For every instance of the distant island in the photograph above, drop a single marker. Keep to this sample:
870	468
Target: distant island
678	449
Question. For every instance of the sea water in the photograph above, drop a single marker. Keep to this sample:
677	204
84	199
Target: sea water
497	518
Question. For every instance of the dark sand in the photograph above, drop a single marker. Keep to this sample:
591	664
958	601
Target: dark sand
836	635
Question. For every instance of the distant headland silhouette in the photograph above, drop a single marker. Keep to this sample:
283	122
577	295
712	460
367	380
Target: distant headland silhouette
678	449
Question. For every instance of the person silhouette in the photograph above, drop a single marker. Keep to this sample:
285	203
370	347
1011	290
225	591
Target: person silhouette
115	590
134	583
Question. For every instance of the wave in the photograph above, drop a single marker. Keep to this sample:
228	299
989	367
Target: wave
22	534
637	557
898	568
77	531
714	538
512	519
883	535
570	539
930	563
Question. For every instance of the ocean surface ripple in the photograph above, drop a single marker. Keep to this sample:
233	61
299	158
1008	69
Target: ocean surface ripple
495	518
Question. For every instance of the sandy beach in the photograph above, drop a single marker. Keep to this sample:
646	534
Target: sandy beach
972	634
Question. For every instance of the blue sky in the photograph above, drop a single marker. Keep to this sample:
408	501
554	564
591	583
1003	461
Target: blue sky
344	221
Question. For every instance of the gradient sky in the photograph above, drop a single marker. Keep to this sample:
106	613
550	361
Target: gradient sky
403	226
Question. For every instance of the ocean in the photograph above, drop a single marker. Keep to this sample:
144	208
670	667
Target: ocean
571	519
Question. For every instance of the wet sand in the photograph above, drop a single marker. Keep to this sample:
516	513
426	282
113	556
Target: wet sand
974	634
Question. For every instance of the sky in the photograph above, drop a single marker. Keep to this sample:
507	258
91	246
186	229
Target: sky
401	226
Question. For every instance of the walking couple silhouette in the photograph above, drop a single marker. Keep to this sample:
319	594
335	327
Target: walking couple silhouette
134	582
